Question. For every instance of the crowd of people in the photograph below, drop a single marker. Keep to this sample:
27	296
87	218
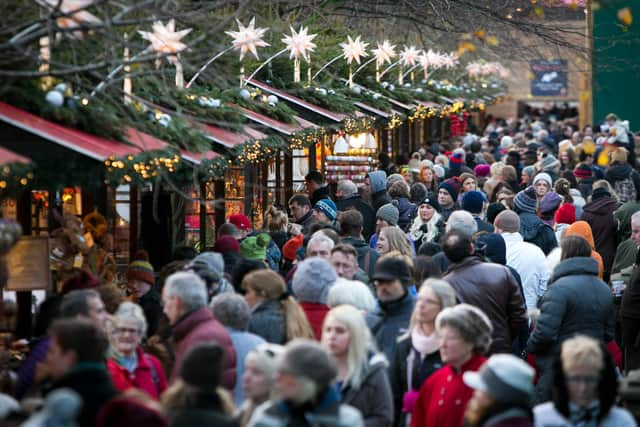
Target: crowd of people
491	280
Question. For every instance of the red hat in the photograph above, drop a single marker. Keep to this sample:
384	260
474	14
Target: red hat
566	214
291	247
240	221
226	244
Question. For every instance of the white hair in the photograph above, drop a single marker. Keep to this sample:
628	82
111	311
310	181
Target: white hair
128	310
463	222
348	188
319	237
636	217
189	288
360	341
351	292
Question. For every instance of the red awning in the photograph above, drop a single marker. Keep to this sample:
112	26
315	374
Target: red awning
336	117
8	156
278	126
92	146
230	139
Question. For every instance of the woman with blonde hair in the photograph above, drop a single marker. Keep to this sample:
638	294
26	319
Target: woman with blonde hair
393	239
417	354
259	379
275	315
276	223
362	372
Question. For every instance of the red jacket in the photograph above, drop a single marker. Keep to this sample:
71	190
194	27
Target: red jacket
148	375
444	396
201	327
316	313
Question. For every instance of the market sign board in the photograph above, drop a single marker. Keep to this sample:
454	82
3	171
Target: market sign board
549	77
28	263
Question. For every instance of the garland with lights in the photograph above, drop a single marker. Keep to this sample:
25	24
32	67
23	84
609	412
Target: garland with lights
142	167
306	138
214	168
256	151
14	177
258	102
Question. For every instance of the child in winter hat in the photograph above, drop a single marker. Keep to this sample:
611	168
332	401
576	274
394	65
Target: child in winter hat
255	247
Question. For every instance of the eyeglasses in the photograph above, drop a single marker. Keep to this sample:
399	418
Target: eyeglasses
588	380
122	331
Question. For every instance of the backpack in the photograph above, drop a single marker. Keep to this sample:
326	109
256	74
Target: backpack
626	189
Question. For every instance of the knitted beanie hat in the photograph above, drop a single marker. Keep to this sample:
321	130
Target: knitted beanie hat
482	170
530	171
583	170
290	248
240	221
202	366
431	200
525	200
312	280
549	163
550	202
140	268
456	158
566	214
542	176
308	359
255	247
493	210
226	244
472	201
452	186
209	266
389	213
327	207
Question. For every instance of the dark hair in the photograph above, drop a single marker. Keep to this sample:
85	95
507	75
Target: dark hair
574	246
607	388
563	188
424	267
242	268
345	248
300	200
77	303
88	341
315	176
228	229
185	252
429	249
498	188
399	189
417	193
456	246
351	222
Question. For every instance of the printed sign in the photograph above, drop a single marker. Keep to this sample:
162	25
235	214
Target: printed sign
549	78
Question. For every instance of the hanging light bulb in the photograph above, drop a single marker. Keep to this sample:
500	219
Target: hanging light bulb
357	141
340	147
371	143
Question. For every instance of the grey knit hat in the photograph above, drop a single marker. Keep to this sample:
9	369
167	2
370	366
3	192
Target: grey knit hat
505	378
525	200
312	280
389	213
306	358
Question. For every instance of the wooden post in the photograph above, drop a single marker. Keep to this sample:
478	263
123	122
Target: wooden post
133	220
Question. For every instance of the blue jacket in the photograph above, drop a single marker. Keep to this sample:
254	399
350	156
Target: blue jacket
535	231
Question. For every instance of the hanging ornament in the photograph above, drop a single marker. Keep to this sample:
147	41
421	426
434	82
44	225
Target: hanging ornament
408	58
384	53
341	146
371	142
353	50
54	98
73	13
248	39
166	40
299	45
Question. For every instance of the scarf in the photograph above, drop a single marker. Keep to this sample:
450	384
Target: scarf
583	417
424	344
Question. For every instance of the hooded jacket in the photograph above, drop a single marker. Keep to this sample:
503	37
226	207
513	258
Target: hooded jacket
407	211
582	229
576	302
599	215
533	230
619	171
379	195
373	397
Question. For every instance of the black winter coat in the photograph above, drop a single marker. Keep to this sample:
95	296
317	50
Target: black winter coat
576	302
599	215
368	214
407	212
535	231
323	192
389	321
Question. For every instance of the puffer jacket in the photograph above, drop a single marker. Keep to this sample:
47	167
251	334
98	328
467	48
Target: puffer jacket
407	212
199	327
599	215
267	320
493	289
535	231
576	302
389	321
373	398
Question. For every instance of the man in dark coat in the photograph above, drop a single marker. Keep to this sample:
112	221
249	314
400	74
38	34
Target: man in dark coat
375	184
392	277
192	322
316	187
599	214
301	211
76	360
348	198
351	233
488	286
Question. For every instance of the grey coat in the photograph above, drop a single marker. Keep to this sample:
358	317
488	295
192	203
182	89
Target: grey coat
267	321
373	398
576	302
389	321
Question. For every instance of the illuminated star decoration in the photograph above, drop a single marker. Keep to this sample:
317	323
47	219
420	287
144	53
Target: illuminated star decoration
248	39
353	50
384	52
165	38
449	60
409	56
74	11
299	44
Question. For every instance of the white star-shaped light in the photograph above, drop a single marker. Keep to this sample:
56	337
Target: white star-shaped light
248	39
449	60
299	44
75	11
384	52
474	69
165	38
409	56
353	50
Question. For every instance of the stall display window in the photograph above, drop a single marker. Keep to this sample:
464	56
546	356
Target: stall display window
351	157
234	192
192	217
